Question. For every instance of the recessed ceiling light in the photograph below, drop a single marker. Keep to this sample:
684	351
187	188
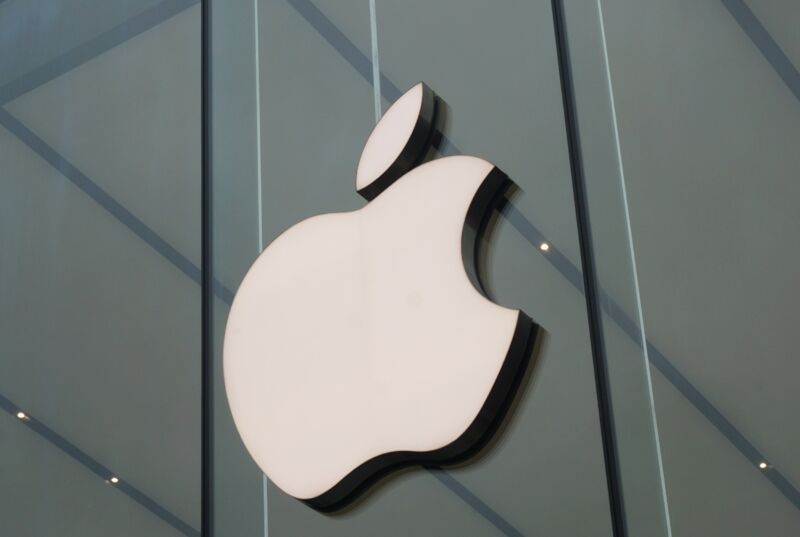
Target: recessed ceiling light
114	480
21	415
763	465
544	247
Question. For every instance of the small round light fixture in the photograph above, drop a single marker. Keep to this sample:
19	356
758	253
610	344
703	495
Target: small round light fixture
763	465
544	247
21	415
114	480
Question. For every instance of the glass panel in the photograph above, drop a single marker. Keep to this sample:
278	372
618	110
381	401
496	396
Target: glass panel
100	241
707	99
313	76
238	486
634	425
495	66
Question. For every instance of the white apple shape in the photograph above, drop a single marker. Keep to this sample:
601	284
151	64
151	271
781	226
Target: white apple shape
358	341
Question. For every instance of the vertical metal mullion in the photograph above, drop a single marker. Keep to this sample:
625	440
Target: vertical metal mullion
206	382
599	358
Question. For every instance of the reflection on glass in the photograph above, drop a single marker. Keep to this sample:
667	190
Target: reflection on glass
99	322
706	97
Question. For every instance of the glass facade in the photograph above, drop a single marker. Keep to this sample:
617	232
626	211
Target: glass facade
709	123
650	237
100	270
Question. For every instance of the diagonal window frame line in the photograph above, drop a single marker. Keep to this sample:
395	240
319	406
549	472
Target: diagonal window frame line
106	201
657	358
92	48
98	468
467	496
359	61
765	43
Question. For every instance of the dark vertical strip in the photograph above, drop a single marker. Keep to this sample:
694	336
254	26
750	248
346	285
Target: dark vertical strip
607	432
206	281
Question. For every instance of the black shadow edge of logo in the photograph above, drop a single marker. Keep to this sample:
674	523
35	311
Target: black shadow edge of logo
494	410
413	151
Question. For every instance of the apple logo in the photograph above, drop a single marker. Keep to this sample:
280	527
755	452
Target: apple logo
361	342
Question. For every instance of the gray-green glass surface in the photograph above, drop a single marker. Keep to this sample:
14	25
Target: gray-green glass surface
497	71
99	229
706	96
